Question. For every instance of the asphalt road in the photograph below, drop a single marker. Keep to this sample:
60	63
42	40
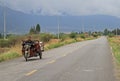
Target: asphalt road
83	61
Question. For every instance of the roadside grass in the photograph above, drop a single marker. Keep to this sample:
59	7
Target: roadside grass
58	44
15	51
11	54
8	56
115	44
2	50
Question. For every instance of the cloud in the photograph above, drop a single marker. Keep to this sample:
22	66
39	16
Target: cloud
70	7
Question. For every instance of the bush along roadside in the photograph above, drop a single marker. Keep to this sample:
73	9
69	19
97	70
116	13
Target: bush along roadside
56	45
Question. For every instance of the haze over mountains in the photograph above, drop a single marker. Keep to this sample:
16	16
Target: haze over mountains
18	22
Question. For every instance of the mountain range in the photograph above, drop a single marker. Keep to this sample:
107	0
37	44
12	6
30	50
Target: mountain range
19	23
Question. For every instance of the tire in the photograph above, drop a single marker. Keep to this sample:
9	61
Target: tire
40	55
26	57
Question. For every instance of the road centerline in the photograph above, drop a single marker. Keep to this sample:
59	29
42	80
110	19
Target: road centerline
51	62
31	72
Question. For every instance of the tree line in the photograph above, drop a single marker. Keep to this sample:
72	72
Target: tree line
112	32
107	32
35	29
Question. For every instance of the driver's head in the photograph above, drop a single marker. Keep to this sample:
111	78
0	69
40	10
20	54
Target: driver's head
29	37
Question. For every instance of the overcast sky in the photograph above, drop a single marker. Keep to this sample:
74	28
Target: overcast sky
65	7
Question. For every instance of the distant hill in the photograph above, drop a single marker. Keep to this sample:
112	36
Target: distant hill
18	22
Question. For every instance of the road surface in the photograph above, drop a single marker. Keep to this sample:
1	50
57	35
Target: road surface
82	61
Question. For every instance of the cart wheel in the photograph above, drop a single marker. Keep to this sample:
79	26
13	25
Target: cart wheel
25	56
40	55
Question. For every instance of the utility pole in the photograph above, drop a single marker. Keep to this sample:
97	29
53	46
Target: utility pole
4	13
116	32
83	25
58	28
83	30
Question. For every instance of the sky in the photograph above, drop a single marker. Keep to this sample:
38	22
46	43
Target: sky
65	7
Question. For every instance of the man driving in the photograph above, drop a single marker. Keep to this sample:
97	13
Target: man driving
30	42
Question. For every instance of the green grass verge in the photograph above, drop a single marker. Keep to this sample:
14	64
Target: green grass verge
8	56
56	45
115	48
11	55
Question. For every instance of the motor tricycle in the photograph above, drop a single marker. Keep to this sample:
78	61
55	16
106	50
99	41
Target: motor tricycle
31	49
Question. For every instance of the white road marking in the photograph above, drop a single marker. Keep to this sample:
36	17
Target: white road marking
30	73
51	62
88	70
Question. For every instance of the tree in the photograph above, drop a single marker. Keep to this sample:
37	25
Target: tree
0	35
95	34
106	32
116	31
32	30
37	28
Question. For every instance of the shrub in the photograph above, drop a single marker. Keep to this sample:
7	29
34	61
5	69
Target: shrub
63	36
73	35
111	35
95	35
4	43
46	37
8	42
82	36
